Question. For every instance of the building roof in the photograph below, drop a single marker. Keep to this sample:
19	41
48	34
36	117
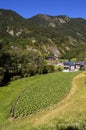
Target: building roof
69	63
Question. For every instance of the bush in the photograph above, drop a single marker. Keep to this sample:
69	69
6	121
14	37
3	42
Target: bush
1	79
50	68
83	68
15	77
58	68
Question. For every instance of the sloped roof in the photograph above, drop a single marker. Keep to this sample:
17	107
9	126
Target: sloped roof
69	63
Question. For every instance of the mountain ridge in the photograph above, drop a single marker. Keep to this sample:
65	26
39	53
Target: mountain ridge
7	10
60	32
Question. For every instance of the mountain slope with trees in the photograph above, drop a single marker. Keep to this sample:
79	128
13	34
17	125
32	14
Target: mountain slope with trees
42	32
25	44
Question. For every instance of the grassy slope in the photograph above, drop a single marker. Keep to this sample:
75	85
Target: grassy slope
12	91
71	113
9	93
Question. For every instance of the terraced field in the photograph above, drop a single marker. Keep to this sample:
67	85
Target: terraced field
31	99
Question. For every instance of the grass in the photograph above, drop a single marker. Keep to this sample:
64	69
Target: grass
73	114
9	93
30	95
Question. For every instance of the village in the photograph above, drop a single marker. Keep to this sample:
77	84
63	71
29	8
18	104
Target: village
68	65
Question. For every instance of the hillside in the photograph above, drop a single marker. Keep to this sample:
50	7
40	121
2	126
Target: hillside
67	34
26	44
26	102
48	34
65	114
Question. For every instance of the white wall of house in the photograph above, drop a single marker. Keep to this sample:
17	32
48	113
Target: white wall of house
72	68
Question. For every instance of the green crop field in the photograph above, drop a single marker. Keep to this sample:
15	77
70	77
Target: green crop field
42	92
30	96
72	114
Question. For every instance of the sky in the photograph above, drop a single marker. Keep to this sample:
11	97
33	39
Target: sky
29	8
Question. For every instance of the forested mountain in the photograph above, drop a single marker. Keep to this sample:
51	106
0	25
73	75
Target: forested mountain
26	43
48	34
68	34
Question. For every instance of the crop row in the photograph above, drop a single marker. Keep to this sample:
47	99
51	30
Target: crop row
41	93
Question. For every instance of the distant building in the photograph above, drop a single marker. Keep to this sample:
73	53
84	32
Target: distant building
69	66
73	66
52	58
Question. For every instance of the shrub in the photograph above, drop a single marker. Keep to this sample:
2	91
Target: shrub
58	68
50	68
15	77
